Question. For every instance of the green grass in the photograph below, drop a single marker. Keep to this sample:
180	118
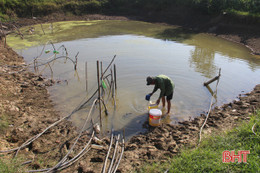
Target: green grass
244	13
10	166
208	156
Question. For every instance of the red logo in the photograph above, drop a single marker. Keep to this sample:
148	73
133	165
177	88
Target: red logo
230	156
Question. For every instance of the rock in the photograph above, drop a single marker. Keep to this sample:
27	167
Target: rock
193	128
138	140
182	128
167	155
131	147
215	117
49	82
181	141
13	108
185	123
173	148
84	168
39	78
224	115
236	118
150	147
156	139
96	159
161	145
175	136
24	85
20	129
36	147
245	105
238	102
97	128
152	152
97	141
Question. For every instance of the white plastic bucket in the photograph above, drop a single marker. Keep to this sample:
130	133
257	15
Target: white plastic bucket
155	117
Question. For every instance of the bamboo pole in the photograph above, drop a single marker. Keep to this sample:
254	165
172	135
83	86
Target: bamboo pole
113	87
101	67
98	80
108	66
210	81
102	76
112	80
115	76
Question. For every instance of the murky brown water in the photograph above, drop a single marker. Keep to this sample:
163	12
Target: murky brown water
143	49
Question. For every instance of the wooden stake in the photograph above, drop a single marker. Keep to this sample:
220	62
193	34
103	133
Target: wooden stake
99	101
101	67
113	87
115	76
86	75
112	82
101	70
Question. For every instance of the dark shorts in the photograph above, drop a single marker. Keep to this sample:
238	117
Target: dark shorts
169	97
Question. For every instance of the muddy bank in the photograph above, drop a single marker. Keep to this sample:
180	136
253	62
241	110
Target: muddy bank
25	104
237	29
27	109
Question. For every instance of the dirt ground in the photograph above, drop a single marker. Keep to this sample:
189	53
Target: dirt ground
25	104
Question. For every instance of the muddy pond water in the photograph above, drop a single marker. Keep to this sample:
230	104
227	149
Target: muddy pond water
142	49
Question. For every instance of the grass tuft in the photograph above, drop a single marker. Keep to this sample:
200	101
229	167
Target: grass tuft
10	166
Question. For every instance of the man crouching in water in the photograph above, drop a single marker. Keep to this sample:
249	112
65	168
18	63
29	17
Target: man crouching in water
166	85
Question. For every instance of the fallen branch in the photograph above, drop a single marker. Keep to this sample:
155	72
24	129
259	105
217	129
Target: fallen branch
214	79
211	103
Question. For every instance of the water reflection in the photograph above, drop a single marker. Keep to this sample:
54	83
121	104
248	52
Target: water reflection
177	34
202	60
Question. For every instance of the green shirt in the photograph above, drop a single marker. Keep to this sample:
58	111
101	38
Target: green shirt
165	84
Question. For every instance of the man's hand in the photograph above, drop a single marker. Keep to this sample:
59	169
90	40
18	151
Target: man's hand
158	102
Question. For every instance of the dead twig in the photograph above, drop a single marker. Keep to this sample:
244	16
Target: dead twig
211	103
